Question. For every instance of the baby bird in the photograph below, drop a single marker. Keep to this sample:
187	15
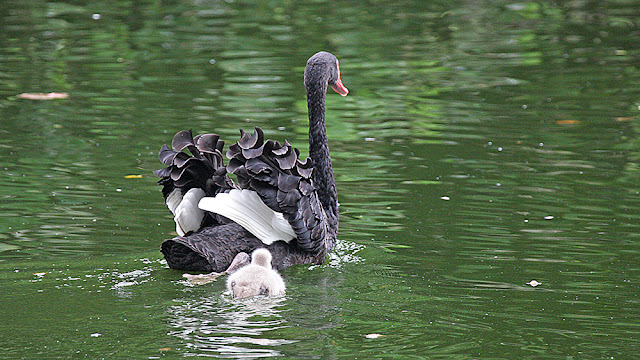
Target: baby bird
257	278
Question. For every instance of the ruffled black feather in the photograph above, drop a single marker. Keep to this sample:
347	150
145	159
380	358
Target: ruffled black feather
283	182
203	169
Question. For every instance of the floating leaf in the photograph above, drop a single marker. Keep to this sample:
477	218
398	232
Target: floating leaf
43	96
568	122
133	177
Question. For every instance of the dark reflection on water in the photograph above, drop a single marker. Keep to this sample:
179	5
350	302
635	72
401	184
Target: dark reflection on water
482	146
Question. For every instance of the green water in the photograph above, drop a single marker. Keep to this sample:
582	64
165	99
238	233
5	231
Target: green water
483	145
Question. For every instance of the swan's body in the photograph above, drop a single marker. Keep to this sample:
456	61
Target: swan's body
279	202
257	278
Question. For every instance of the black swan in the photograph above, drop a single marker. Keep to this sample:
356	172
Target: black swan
257	278
279	202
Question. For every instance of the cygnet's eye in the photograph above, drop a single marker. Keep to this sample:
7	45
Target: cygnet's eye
233	283
264	291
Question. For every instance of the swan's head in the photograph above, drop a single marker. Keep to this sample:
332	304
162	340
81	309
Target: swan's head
324	68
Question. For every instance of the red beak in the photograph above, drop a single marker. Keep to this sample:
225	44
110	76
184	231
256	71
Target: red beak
339	88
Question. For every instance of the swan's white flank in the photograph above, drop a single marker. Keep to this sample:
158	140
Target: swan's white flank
245	208
187	215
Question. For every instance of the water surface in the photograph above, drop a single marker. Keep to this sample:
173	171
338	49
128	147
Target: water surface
482	146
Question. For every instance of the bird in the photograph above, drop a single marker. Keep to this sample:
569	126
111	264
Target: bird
278	201
257	278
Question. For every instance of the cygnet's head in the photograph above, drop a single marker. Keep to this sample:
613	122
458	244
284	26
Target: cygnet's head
261	257
256	278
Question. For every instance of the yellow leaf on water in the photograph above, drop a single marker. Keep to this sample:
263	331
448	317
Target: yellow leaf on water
133	177
567	122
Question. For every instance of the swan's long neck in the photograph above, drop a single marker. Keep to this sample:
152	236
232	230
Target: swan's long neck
319	151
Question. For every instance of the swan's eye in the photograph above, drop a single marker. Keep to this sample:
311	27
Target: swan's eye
264	291
233	283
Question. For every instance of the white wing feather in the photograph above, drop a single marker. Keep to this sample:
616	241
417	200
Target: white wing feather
173	200
245	208
187	215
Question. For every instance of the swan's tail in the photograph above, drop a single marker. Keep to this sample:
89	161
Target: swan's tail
284	184
189	178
